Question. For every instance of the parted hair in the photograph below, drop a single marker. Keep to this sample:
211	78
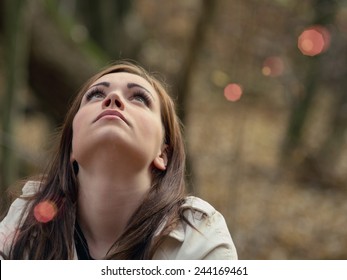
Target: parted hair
161	208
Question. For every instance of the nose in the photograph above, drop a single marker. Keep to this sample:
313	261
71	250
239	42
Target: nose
113	100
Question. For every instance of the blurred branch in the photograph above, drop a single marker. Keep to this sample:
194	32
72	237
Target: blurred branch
105	23
59	62
57	65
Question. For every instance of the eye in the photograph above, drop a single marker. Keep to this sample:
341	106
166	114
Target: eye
141	97
96	93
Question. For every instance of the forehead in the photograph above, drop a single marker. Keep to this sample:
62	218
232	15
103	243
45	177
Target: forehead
120	78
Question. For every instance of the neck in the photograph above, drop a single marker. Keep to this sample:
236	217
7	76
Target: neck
106	201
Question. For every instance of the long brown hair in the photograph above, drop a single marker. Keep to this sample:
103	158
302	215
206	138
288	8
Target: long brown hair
54	239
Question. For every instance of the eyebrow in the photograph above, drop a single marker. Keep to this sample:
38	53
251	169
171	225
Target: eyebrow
105	84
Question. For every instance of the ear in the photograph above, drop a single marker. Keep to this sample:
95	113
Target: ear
160	161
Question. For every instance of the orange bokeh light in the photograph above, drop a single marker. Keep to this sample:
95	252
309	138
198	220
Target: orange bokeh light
233	92
273	66
314	40
45	211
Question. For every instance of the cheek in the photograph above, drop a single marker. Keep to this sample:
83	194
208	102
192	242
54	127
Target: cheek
75	126
152	129
79	121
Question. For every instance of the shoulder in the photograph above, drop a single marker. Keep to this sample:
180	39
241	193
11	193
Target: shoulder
30	188
11	222
198	206
203	234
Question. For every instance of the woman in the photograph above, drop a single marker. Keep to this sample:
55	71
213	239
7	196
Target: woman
115	188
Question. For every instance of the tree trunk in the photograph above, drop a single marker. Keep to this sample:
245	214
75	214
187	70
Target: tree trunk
187	69
325	11
16	22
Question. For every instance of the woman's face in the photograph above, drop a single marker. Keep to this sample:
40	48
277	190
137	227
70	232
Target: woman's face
120	112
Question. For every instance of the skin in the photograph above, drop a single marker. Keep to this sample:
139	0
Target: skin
115	154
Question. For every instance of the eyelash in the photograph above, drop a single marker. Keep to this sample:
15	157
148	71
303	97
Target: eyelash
138	94
144	96
94	92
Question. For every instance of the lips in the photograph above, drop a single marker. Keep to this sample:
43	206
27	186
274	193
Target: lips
111	113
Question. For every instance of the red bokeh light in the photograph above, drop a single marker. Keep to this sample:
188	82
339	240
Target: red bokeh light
233	92
45	211
273	66
314	40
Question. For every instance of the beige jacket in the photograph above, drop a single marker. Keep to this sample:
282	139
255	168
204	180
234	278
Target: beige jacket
210	240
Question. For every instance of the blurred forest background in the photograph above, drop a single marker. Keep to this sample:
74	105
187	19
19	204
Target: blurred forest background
260	87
